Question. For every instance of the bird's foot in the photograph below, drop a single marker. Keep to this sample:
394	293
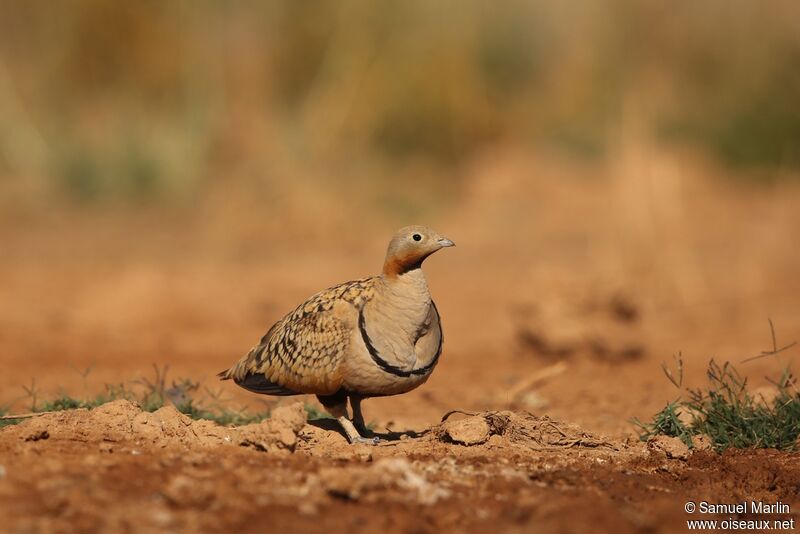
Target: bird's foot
352	434
361	440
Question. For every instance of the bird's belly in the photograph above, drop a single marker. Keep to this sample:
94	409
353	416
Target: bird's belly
377	382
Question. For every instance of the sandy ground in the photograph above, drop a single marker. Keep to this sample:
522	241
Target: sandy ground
564	294
120	469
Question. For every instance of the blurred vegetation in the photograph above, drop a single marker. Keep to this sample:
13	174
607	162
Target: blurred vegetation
150	395
146	100
730	416
728	413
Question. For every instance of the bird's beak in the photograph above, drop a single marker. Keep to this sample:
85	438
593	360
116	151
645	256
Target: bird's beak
444	242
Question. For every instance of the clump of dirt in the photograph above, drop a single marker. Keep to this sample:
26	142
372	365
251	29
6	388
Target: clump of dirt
668	446
470	431
701	442
124	422
516	429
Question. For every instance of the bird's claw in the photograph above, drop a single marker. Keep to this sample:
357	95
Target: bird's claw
359	440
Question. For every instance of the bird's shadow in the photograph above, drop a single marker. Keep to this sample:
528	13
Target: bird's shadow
333	426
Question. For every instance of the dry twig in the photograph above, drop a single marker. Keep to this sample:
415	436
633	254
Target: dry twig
541	376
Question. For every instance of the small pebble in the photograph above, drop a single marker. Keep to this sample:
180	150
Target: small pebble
2	472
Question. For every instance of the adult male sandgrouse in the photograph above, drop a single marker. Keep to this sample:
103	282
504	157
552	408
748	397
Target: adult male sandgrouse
371	337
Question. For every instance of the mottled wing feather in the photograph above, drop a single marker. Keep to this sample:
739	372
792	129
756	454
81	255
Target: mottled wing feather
302	352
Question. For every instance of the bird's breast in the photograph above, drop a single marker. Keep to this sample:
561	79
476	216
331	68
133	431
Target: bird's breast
383	357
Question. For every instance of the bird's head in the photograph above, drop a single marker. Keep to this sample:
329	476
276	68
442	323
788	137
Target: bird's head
409	247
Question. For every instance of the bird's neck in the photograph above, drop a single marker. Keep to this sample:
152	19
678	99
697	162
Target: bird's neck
410	278
396	266
406	299
408	289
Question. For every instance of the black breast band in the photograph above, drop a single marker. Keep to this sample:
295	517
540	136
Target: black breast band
388	367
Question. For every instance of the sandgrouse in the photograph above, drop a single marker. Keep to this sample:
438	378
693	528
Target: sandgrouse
371	337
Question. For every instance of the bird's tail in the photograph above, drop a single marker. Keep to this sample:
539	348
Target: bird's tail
227	374
238	370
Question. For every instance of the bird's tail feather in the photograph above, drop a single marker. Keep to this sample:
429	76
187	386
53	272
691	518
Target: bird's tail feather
226	374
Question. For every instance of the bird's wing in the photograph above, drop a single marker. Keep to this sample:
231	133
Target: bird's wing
302	352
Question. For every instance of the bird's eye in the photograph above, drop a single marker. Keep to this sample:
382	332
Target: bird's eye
416	237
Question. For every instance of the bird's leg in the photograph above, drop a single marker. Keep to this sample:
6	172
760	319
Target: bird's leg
339	412
358	417
353	436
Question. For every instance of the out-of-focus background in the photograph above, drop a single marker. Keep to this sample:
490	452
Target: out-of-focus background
622	179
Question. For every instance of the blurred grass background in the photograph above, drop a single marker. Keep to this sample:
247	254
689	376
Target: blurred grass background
175	175
148	102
